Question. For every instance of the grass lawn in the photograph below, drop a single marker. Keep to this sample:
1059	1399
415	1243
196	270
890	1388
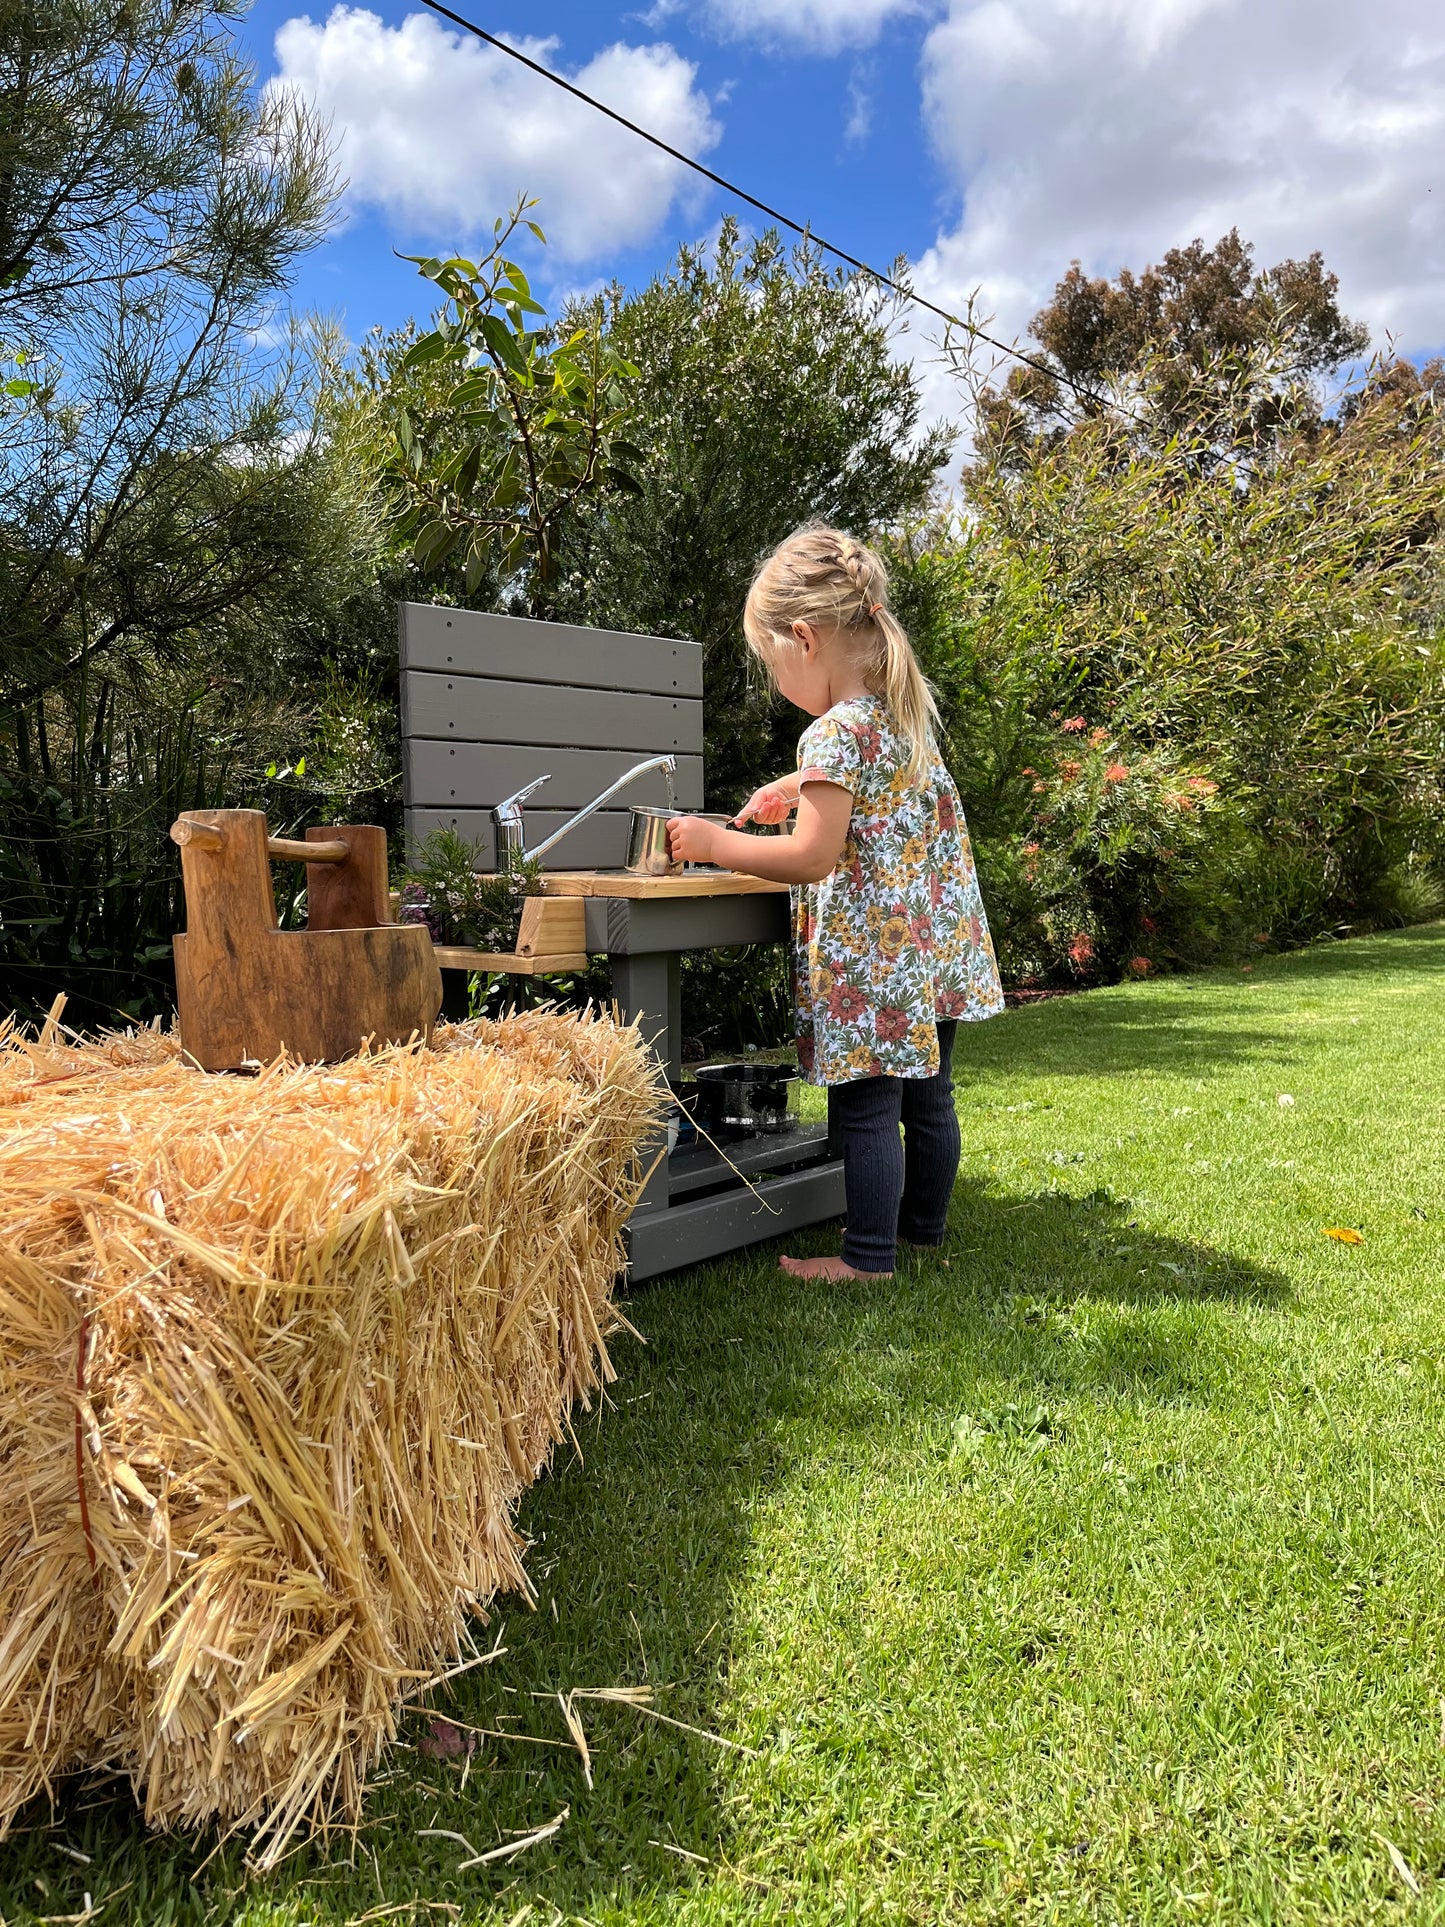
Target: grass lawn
1091	1571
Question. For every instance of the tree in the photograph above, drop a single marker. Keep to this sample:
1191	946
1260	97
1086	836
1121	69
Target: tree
156	512
1201	313
513	423
769	393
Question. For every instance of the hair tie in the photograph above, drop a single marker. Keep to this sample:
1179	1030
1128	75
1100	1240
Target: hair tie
877	606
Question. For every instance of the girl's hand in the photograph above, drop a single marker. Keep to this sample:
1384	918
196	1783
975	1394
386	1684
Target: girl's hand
773	803
690	839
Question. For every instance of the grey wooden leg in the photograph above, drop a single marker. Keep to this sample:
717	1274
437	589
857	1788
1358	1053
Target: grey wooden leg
649	987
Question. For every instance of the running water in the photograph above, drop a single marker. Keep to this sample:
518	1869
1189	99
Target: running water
671	794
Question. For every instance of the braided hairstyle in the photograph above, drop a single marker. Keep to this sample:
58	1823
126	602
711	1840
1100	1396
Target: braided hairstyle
840	586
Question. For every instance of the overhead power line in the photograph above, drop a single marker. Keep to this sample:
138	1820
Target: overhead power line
774	214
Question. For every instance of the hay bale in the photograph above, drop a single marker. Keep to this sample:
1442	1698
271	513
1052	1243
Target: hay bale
277	1357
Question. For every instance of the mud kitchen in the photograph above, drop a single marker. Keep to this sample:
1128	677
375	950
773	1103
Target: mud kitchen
569	744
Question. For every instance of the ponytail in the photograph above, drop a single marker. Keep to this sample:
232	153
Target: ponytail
908	695
824	577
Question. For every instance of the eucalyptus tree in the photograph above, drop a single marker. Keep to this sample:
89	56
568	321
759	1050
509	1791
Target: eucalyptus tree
1234	356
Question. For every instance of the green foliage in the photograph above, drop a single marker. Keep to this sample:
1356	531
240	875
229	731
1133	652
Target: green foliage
1190	324
1268	626
770	392
90	896
443	888
170	522
513	423
738	997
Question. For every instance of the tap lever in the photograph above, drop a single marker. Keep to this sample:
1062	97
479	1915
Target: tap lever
510	826
511	807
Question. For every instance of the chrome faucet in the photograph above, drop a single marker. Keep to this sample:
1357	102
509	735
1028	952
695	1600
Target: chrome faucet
511	827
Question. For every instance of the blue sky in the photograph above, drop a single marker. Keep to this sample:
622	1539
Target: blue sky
784	116
992	141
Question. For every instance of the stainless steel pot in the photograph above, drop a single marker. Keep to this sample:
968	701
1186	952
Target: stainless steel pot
747	1098
647	851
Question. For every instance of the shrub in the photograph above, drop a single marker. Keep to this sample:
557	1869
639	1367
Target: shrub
1267	624
459	904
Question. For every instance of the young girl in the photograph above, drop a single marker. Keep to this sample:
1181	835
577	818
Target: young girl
892	946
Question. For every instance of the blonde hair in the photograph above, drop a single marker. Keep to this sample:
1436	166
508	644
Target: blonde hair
837	584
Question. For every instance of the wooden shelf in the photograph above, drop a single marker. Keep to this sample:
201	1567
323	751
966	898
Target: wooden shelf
692	883
511	962
551	938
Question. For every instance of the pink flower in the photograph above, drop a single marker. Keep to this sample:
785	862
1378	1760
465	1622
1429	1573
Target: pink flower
1098	738
1081	950
1074	725
1031	849
1070	770
1116	772
1139	966
1148	924
951	1003
923	933
892	1026
1202	785
869	741
947	811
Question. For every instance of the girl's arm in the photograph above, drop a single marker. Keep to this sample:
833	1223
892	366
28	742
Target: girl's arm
807	856
773	803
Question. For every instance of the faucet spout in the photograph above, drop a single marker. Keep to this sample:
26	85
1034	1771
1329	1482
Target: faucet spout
668	763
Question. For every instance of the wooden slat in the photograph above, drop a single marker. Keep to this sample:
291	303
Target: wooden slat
692	883
552	927
472	776
508	962
475	709
466	643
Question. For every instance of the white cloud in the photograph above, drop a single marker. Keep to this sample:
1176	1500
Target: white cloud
860	108
825	26
441	132
1111	130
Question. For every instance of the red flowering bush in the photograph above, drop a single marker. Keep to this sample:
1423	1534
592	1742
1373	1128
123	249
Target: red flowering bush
1108	860
1195	696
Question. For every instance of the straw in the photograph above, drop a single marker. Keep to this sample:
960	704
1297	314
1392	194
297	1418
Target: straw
278	1356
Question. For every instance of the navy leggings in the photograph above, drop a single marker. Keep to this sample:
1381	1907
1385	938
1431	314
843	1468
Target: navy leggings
897	1190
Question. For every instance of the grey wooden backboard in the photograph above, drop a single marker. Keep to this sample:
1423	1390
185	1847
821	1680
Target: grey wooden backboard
490	702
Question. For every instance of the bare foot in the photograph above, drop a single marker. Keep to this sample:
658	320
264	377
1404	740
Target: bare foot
831	1270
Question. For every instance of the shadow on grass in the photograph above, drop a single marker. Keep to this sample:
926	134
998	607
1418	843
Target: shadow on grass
642	1545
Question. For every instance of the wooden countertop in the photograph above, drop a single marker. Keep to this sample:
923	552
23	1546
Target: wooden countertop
692	883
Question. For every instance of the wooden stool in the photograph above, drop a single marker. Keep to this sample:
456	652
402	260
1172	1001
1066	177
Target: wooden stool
247	990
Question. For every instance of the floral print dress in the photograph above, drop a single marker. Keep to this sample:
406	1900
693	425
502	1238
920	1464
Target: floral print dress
895	938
